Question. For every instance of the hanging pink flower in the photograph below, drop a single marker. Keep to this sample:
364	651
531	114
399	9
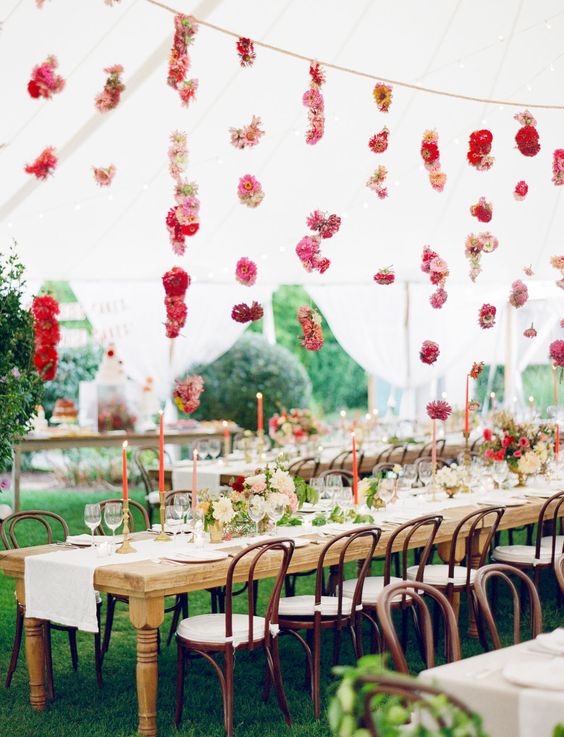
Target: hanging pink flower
185	29
476	370
519	293
104	175
245	313
44	82
310	320
187	393
530	332
246	51
521	189
376	182
177	154
44	164
479	147
313	101
110	96
486	317
385	276
250	191
429	352
246	271
379	141
324	223
308	252
431	159
382	94
557	352
248	136
528	270
558	166
438	298
527	137
482	210
435	266
438	410
474	246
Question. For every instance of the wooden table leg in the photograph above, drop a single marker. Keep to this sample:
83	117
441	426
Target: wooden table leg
146	616
34	654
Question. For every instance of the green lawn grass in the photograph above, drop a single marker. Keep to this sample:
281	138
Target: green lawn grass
81	709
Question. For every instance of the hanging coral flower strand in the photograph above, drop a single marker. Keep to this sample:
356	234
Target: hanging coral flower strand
479	147
379	141
47	335
44	82
110	96
185	29
175	283
246	52
431	160
44	164
310	320
183	219
382	94
187	393
315	104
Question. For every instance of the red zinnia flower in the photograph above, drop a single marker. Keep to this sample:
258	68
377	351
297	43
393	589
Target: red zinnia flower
486	317
487	434
243	313
176	282
429	152
429	352
557	352
438	410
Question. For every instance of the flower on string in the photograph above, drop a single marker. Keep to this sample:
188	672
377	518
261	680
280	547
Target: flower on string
557	262
104	175
313	101
308	252
438	410
558	166
47	335
479	147
429	352
110	96
521	189
44	82
246	271
187	393
44	164
528	270
177	154
382	94
473	405
310	320
250	191
557	352
385	276
486	317
474	246
379	141
247	136
324	223
245	313
482	210
519	293
562	323
476	369
527	137
183	220
435	266
185	29
175	283
438	298
431	159
246	51
530	332
376	182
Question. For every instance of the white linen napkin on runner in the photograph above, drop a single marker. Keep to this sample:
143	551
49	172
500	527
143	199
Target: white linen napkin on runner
59	586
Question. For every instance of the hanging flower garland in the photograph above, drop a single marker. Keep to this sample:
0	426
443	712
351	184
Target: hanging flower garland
325	226
438	298
429	352
324	223
47	335
385	276
175	283
479	147
177	154
558	167
110	96
249	191
431	160
247	313
474	246
476	370
182	220
44	82
376	182
520	191
519	293
483	210
104	175
44	164
382	94
185	29
310	320
528	270
246	51
187	393
486	316
527	137
437	268
248	136
246	271
557	353
530	332
379	141
313	101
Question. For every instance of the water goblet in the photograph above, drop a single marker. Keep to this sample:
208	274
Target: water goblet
499	472
182	504
257	511
276	507
113	517
92	517
426	472
409	474
203	449
214	446
173	520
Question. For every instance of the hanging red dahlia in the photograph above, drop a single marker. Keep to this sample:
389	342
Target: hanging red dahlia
385	276
246	51
530	332
486	317
483	210
47	335
429	352
44	164
245	313
527	137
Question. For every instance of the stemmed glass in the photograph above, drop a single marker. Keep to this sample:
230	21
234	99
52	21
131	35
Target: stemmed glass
257	511
426	472
214	446
113	517
181	504
173	519
204	449
386	490
276	508
318	485
499	472
409	474
334	485
92	517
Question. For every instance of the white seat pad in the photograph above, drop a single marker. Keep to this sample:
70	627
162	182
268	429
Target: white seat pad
211	628
519	554
437	575
373	586
303	606
153	497
546	542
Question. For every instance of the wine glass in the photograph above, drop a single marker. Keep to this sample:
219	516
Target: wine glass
204	449
344	498
386	490
499	472
409	474
113	517
182	504
318	485
277	504
214	448
257	511
334	485
92	517
426	472
173	519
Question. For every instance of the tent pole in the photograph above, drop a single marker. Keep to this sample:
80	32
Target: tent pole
509	375
268	324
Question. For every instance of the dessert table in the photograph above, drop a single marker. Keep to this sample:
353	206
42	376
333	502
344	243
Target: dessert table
146	583
508	710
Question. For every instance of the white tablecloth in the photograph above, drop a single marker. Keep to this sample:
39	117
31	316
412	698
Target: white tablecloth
507	710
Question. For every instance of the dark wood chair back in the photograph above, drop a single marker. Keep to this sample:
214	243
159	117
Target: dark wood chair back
347	476
249	559
485	616
418	594
344	458
476	444
427	459
170	495
45	520
427	448
383	467
397	452
559	571
133	507
400	542
140	456
305	467
550	512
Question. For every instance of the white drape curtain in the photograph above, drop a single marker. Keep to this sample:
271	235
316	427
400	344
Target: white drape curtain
124	313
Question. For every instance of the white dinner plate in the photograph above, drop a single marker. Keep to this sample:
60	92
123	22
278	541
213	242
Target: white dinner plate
83	541
502	501
198	556
537	674
539	493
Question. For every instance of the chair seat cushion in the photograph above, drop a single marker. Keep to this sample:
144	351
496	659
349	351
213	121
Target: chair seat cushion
437	575
519	554
304	606
546	542
211	628
373	586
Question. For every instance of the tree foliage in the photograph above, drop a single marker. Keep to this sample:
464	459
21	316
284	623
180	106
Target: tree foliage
75	365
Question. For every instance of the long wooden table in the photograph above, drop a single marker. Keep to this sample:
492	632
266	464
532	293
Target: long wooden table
146	584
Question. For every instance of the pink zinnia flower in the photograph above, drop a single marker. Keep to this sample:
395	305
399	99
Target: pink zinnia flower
438	298
246	271
524	442
438	410
530	332
248	185
520	191
557	352
439	265
429	352
519	293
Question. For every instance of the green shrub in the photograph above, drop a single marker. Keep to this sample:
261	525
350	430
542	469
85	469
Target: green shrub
75	365
252	365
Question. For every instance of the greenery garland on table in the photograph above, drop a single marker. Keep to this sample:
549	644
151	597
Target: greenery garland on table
21	387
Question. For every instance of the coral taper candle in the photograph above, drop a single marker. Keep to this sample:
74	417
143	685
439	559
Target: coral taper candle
467	408
124	470
434	446
557	428
194	482
260	422
355	469
226	439
161	452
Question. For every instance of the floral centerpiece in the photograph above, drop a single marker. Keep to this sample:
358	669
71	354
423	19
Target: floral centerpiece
217	512
295	426
526	447
450	479
369	488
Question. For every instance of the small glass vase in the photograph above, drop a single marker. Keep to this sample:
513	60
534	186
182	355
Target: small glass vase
216	532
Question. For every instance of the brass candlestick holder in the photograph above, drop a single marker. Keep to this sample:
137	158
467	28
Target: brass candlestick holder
466	448
162	537
260	447
126	546
247	445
